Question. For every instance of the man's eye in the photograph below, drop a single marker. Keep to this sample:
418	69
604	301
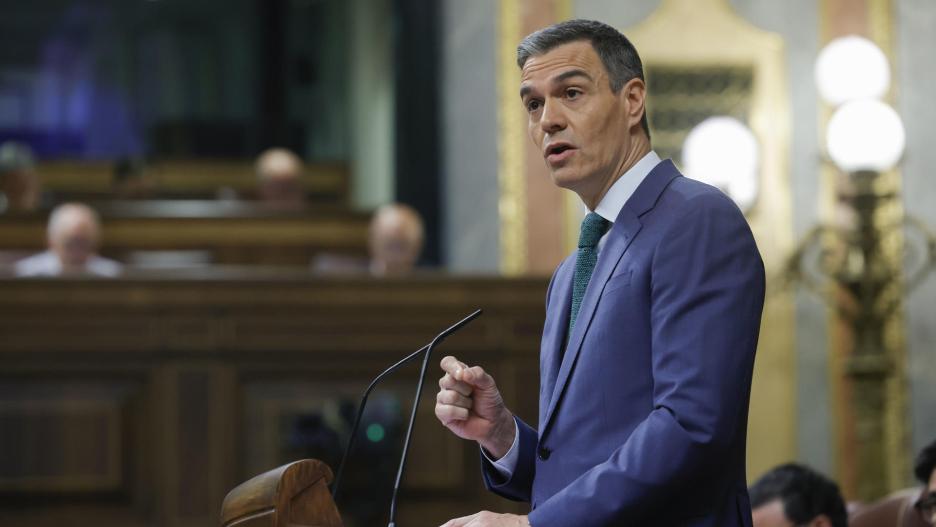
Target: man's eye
572	93
533	105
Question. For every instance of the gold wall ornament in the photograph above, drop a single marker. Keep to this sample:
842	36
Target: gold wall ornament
870	410
897	413
534	213
707	42
684	97
510	145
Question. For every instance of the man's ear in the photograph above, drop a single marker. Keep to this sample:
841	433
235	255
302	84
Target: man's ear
821	521
634	95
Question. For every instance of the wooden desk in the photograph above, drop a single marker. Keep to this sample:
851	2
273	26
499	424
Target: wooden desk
133	402
186	178
231	233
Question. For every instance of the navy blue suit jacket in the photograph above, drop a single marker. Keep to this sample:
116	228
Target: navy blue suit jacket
643	414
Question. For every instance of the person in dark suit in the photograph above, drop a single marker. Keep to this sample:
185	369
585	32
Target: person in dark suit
925	471
911	507
793	494
651	325
19	183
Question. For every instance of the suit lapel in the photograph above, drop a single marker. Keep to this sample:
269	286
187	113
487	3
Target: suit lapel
554	336
623	232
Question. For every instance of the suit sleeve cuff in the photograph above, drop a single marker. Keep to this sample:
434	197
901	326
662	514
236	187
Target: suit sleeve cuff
506	465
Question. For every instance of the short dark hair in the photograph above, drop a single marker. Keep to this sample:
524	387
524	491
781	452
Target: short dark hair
617	54
925	463
16	157
803	492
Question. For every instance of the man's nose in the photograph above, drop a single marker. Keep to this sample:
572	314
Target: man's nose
553	118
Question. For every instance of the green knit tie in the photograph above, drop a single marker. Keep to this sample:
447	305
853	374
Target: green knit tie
593	228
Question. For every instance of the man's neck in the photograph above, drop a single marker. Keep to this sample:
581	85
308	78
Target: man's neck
641	147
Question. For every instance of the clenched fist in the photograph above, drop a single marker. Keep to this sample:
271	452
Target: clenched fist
469	404
489	519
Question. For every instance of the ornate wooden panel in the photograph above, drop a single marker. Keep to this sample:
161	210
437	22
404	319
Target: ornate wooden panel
142	402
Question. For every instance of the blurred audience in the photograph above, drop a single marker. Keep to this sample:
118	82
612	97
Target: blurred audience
73	236
913	507
396	240
19	183
793	495
132	180
279	178
925	471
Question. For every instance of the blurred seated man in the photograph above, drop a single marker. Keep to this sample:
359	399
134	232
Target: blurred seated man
925	471
73	235
19	183
396	240
132	180
793	495
279	178
913	507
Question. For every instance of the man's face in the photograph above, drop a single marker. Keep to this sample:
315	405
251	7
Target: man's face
771	514
395	244
580	126
75	243
397	252
280	173
282	187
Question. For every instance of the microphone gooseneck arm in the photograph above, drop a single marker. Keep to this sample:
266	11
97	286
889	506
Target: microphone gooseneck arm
360	412
409	430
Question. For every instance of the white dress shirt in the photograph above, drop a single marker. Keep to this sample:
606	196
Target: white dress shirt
48	264
608	208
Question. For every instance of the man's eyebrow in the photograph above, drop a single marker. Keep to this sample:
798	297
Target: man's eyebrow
524	90
571	73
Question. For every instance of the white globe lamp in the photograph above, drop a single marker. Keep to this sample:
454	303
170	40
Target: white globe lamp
865	135
723	152
851	68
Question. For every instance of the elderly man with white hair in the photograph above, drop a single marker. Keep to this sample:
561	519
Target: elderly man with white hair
395	240
279	176
73	236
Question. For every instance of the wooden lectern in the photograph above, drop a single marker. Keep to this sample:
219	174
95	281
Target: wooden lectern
293	495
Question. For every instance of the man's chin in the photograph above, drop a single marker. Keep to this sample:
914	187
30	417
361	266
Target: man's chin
564	177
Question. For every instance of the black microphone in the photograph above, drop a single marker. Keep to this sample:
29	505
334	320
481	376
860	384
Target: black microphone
360	413
409	430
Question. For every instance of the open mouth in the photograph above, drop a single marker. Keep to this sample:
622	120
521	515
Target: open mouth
559	152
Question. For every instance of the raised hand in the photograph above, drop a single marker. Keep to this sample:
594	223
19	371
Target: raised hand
489	519
470	405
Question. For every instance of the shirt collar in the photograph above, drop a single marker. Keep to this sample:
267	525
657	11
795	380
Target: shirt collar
622	189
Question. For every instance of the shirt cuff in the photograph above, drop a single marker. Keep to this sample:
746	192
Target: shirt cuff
506	465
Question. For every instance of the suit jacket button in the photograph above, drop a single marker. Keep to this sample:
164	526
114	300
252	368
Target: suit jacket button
543	453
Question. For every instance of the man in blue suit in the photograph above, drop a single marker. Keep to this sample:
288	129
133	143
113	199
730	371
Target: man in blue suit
651	325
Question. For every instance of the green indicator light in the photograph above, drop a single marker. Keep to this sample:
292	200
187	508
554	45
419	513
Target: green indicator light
375	432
